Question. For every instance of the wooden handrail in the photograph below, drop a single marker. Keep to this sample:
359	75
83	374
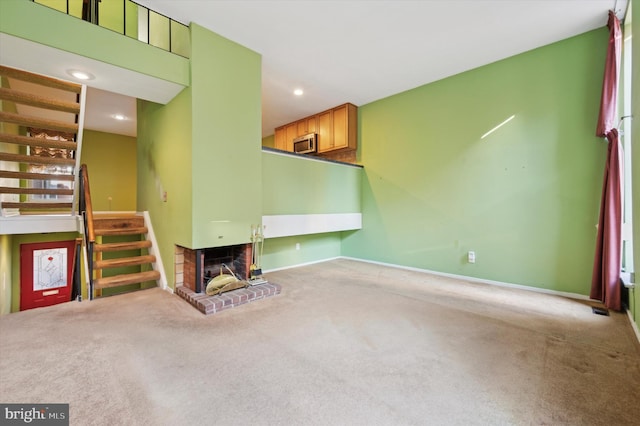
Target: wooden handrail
91	235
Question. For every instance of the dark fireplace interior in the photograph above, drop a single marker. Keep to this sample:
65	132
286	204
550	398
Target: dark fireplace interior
200	265
233	257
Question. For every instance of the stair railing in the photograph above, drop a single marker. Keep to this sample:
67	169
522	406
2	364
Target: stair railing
86	211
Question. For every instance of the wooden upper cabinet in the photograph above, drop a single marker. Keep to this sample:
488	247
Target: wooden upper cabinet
292	133
281	138
336	129
340	127
325	131
312	124
302	127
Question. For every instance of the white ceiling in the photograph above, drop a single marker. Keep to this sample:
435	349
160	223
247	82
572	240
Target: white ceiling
360	51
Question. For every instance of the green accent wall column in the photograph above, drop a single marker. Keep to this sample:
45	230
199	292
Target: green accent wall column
226	140
525	198
5	273
164	166
199	156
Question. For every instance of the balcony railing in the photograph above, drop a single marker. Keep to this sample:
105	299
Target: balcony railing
131	19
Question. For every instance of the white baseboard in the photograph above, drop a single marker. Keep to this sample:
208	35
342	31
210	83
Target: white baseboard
444	274
266	271
477	280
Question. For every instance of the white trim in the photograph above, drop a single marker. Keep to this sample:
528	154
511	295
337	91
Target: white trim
287	225
154	250
301	264
38	224
444	274
478	280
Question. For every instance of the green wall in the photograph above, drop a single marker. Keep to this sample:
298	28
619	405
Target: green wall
282	252
32	21
292	185
6	251
104	153
269	141
226	140
164	165
203	150
524	198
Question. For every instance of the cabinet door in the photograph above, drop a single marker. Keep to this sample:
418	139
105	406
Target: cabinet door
312	124
292	133
325	131
340	122
302	127
281	138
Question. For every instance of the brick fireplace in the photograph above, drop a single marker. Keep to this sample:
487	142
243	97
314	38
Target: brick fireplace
201	264
195	267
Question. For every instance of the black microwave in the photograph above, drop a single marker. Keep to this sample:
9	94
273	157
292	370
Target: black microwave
305	144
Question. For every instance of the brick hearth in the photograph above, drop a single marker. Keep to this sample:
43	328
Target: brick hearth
214	304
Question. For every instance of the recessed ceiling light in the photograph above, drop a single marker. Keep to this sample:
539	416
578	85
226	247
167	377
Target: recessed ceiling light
119	117
298	92
80	75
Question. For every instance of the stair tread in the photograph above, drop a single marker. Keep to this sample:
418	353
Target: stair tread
132	245
124	261
121	231
37	205
124	279
23	190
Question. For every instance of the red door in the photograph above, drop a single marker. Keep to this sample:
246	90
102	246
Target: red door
45	273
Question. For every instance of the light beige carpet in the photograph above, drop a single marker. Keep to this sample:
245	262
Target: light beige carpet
346	343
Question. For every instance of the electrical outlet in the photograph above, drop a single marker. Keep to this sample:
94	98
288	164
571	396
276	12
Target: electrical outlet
297	246
471	257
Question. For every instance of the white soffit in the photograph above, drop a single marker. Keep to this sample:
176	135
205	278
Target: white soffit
40	59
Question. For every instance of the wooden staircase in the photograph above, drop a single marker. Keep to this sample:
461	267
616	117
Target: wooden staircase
40	140
121	253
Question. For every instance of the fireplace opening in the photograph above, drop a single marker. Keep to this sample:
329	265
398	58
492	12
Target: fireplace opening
235	258
200	265
195	268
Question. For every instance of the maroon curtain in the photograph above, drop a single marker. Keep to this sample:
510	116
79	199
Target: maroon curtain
605	283
609	99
